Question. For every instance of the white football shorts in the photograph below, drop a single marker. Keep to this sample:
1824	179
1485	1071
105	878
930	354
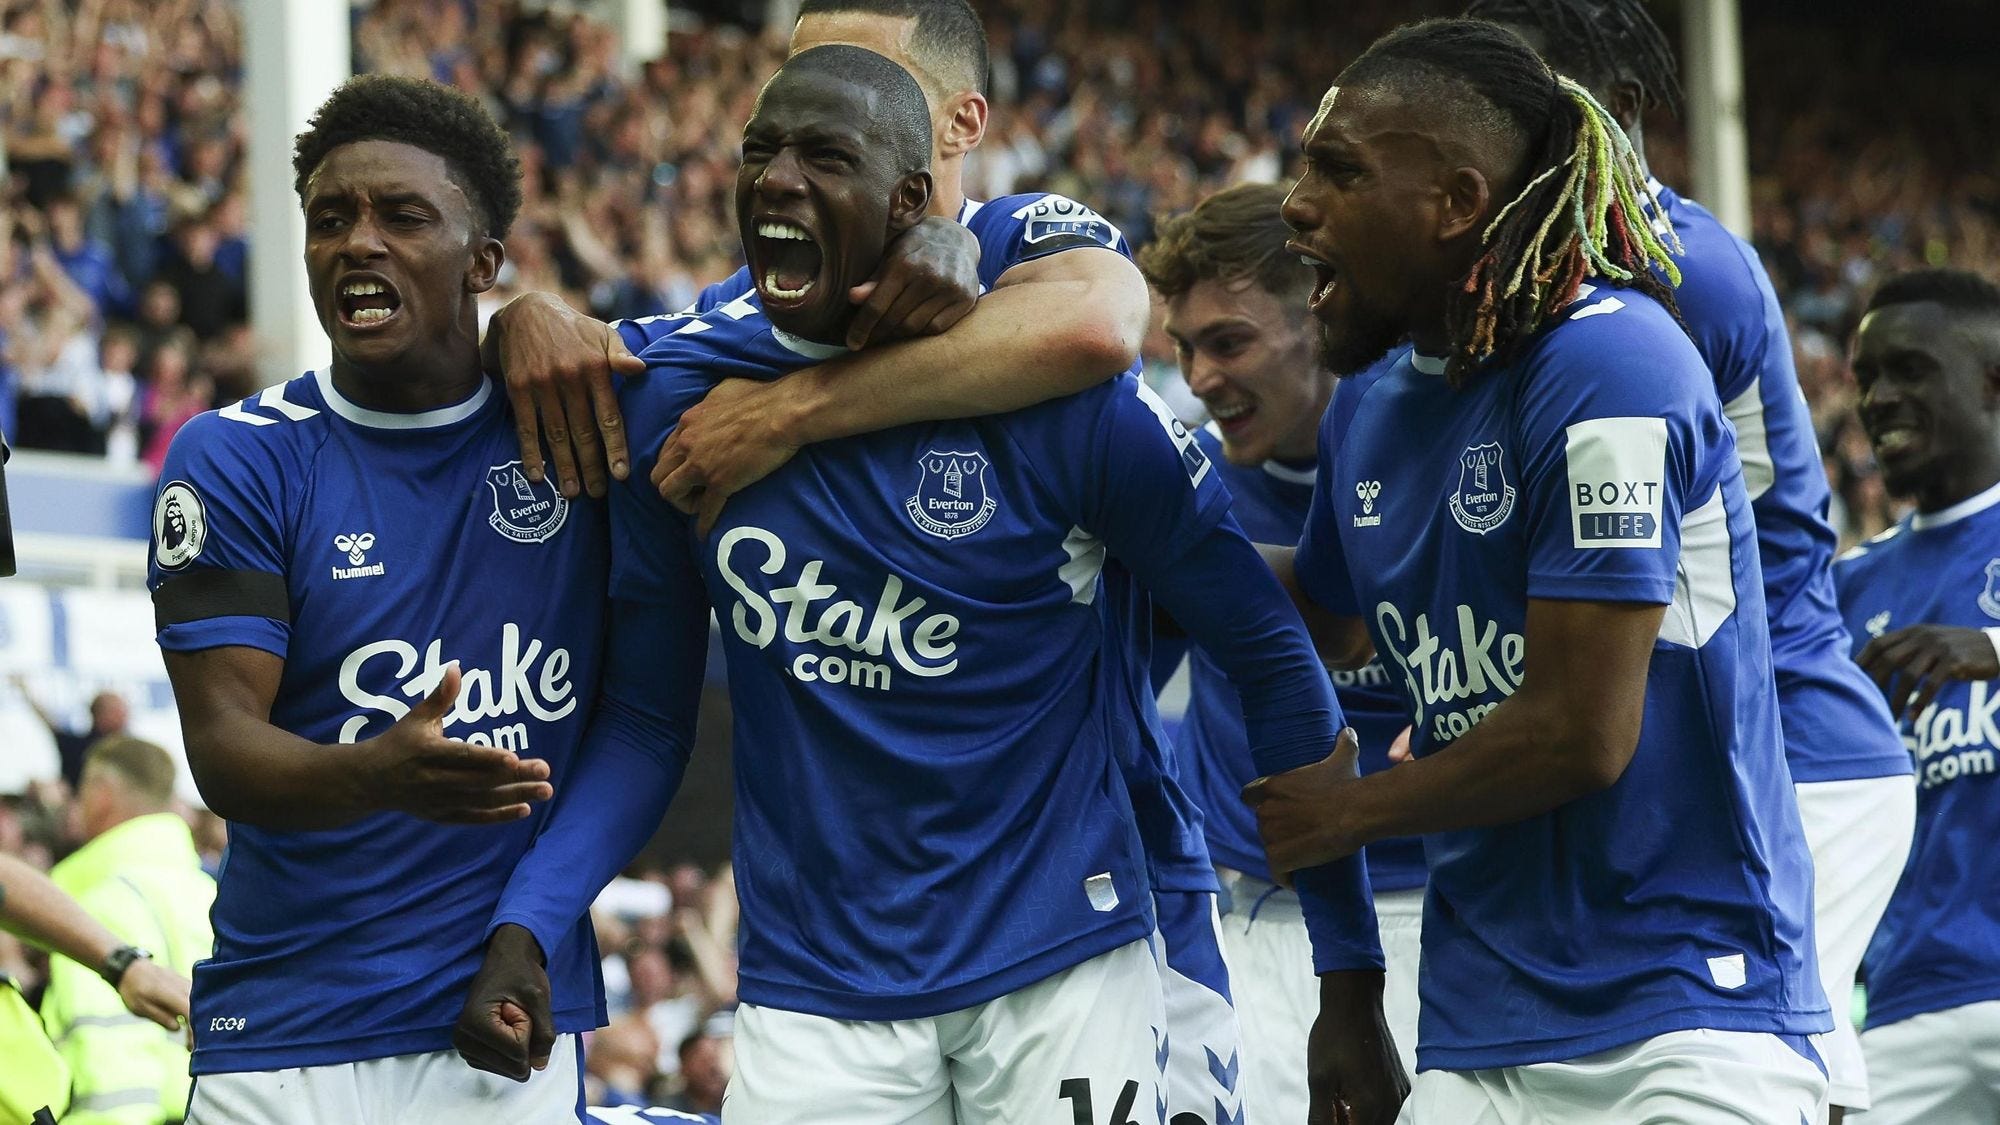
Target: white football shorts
435	1086
1081	1044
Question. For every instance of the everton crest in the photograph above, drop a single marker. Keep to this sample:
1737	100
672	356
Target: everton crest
524	511
1484	499
1989	598
951	499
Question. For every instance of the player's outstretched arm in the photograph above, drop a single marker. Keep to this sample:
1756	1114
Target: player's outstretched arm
253	772
626	774
1568	731
35	908
1051	327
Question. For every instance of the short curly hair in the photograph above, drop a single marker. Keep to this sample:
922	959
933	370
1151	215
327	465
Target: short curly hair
426	115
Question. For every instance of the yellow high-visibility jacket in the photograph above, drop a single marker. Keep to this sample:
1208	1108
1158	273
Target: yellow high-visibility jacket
143	880
32	1075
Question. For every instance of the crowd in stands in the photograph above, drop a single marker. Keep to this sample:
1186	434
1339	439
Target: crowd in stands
122	242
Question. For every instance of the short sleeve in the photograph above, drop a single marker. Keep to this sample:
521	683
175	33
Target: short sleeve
1149	491
1620	438
218	552
1321	564
1021	228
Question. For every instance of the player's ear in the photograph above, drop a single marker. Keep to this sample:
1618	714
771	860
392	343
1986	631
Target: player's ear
1628	104
484	271
912	198
964	124
1464	204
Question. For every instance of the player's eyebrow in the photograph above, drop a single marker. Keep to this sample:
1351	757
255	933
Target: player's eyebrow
330	195
1231	323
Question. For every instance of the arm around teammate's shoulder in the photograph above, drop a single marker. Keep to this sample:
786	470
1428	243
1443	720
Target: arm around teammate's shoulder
1052	327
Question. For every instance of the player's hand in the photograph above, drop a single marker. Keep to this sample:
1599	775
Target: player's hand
558	365
1399	747
505	1027
927	282
1298	811
722	445
1911	665
1353	1074
155	992
413	768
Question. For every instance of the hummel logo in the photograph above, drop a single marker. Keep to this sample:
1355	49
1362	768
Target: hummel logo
1366	491
1878	624
356	548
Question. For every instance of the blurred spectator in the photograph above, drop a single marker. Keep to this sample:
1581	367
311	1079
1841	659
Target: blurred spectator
109	715
707	1059
174	393
87	260
618	1063
211	298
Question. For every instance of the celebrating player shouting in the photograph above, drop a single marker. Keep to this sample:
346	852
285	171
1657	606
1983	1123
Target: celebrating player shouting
1564	574
1062	310
325	555
945	901
1852	774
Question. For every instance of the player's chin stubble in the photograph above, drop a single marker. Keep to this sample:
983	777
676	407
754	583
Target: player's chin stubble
1358	343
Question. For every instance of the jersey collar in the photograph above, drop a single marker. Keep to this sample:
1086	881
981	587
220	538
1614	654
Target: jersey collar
1428	364
386	420
1944	517
1281	471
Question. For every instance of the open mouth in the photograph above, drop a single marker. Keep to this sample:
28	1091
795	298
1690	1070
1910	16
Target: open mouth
787	261
367	302
1325	277
1894	440
1232	417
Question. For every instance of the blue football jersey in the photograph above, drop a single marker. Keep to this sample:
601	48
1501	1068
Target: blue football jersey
1597	466
1938	945
1836	725
929	807
369	550
1012	230
1270	501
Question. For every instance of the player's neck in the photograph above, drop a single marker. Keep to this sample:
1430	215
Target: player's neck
411	387
948	188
